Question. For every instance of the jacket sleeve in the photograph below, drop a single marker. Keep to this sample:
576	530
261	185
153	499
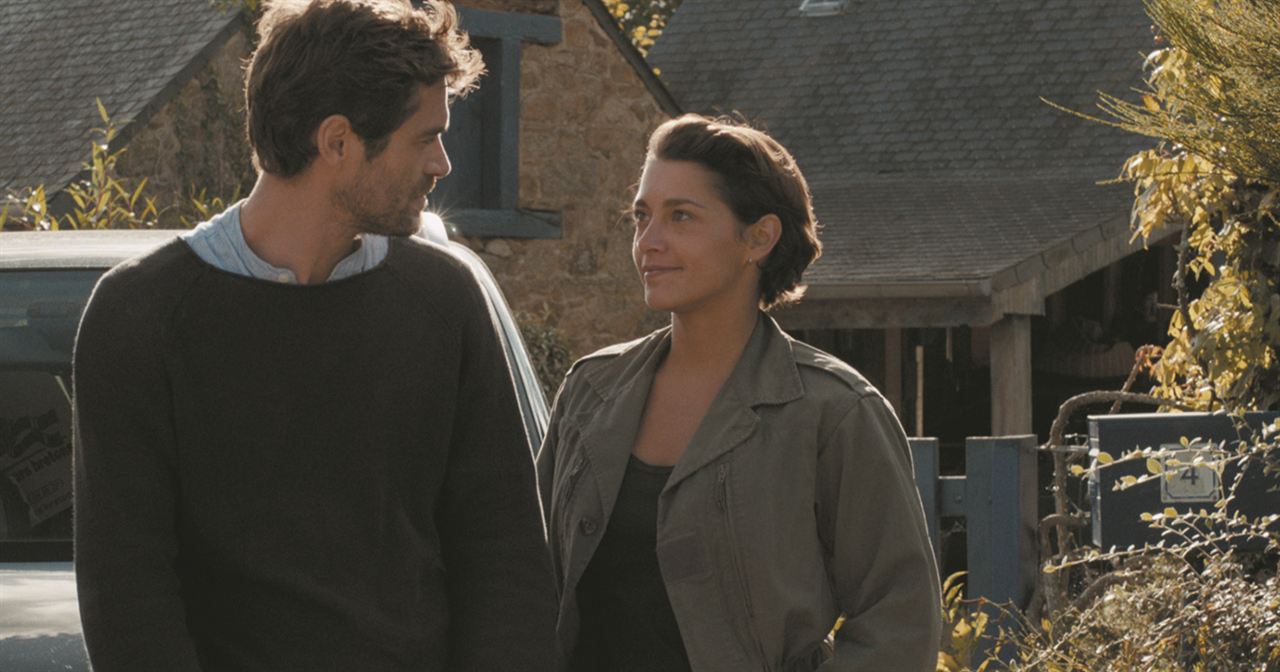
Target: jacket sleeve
126	548
501	595
880	559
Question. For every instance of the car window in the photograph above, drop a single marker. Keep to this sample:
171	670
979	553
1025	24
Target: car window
39	312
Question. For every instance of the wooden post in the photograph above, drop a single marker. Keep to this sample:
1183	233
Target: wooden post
1000	515
919	390
1011	376
924	458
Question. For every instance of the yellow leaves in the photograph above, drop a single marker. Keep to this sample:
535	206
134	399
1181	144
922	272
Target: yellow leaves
102	200
1154	466
1149	101
1105	458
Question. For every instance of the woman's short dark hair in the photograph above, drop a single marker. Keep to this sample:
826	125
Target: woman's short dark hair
363	59
755	176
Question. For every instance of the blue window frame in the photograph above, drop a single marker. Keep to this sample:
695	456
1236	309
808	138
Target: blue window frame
481	196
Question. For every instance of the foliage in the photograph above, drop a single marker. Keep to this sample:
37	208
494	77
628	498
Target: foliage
1189	602
964	625
103	200
1214	101
547	348
1160	610
642	20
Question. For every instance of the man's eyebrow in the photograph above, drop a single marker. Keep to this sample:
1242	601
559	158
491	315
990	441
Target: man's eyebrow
435	130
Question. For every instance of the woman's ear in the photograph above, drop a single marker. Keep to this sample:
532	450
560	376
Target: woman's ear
762	237
335	139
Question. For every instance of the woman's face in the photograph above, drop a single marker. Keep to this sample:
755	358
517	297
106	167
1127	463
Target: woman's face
688	246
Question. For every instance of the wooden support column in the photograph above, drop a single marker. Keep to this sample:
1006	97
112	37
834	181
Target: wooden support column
1011	376
893	368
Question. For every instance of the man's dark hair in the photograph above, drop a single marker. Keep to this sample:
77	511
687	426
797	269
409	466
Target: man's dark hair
755	176
363	59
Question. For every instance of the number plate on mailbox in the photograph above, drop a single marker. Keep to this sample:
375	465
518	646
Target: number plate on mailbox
1187	482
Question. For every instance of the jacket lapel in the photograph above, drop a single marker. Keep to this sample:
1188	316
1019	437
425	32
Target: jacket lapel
765	374
609	430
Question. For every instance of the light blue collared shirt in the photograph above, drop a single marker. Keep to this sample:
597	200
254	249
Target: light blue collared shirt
220	243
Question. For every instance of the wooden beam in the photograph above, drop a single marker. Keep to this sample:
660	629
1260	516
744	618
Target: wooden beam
884	313
1011	376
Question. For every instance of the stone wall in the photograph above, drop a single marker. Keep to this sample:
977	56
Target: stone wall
197	140
584	121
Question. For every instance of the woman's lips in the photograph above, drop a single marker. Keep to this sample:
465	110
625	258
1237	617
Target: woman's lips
650	272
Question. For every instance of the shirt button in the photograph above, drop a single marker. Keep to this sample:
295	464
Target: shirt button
587	526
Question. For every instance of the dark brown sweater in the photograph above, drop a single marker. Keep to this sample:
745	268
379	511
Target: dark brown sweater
278	477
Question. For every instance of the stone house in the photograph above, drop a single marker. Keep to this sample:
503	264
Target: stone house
974	267
544	153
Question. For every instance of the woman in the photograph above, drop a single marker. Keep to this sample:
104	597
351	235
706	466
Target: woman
718	494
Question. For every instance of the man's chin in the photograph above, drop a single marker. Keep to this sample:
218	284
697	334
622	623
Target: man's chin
405	225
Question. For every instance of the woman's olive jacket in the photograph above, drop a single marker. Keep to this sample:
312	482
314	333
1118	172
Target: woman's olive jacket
793	504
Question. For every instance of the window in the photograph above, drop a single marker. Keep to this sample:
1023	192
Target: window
481	196
823	7
39	311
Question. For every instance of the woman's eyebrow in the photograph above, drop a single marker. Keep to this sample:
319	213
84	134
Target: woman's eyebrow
674	202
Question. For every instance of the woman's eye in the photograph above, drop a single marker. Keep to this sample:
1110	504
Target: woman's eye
639	216
680	215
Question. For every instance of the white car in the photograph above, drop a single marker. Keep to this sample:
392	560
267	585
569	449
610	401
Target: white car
45	280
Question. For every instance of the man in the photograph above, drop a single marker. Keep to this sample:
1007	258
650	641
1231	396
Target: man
298	446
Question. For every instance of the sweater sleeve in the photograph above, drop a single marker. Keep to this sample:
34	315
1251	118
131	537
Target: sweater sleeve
502	600
881	561
126	549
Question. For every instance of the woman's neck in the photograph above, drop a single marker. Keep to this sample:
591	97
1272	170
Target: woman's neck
710	342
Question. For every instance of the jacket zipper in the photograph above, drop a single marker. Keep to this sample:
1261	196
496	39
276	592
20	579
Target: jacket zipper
567	494
722	500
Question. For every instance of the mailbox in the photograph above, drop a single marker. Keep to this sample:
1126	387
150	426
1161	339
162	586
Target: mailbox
1117	514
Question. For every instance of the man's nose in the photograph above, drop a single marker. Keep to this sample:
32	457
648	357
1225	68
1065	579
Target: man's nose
439	166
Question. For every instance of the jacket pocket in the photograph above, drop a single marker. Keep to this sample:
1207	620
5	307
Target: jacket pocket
724	503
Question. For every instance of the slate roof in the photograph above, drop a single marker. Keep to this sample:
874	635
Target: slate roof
56	56
920	126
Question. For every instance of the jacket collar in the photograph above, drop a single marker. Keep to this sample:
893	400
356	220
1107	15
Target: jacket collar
766	374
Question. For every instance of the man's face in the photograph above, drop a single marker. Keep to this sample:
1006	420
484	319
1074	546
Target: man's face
388	194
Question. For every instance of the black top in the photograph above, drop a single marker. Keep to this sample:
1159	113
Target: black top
277	477
627	622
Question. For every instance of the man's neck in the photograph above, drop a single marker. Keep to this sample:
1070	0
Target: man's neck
294	225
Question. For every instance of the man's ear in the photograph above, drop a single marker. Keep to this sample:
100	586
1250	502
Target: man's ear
335	139
762	236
